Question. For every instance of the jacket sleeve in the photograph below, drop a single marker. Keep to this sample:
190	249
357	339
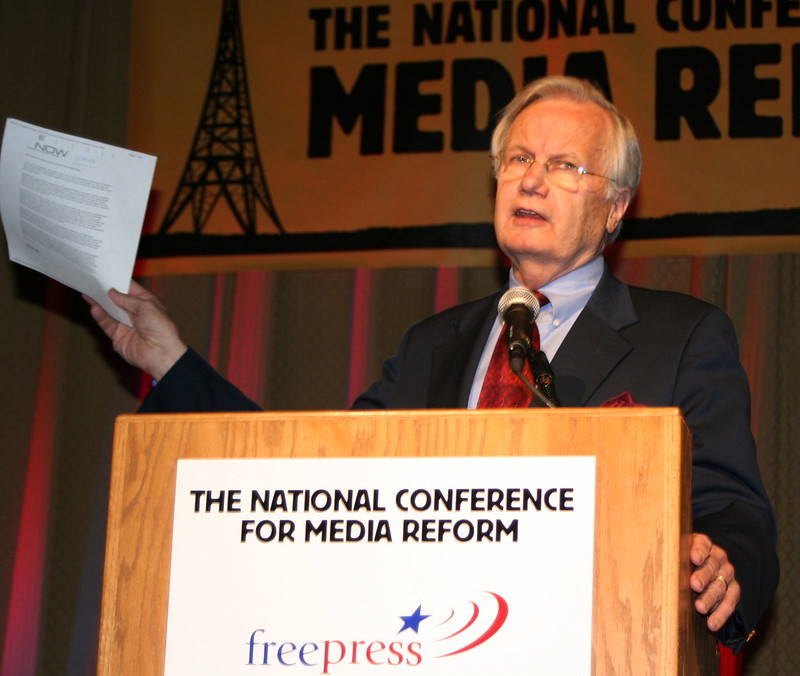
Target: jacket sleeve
193	386
730	504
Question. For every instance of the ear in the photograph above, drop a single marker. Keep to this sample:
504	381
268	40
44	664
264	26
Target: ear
619	206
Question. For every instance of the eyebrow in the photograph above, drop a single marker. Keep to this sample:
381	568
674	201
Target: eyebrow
568	155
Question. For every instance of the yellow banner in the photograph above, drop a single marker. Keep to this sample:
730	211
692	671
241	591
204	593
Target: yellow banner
366	127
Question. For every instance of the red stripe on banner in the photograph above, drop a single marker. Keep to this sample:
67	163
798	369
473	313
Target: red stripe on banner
359	342
697	277
249	340
446	288
25	606
215	341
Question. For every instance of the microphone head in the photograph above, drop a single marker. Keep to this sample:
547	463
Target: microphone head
518	295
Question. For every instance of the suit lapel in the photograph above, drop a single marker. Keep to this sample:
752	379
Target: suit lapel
591	350
454	361
594	346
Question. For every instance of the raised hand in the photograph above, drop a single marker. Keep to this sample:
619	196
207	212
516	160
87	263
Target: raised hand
153	343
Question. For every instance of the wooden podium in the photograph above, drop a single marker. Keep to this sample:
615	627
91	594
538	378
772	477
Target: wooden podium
643	621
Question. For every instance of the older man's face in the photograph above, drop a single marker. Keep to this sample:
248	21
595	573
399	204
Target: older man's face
545	229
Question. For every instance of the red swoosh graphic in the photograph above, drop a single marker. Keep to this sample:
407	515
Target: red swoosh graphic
502	614
449	617
467	625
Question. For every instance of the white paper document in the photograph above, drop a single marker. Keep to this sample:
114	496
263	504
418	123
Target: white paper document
73	209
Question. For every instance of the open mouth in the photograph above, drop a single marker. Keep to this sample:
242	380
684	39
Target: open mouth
527	213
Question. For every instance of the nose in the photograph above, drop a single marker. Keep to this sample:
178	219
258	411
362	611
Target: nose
533	180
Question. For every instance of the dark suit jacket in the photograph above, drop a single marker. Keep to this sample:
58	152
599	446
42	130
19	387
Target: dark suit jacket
665	349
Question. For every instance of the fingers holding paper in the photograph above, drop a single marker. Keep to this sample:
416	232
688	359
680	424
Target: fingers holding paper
153	342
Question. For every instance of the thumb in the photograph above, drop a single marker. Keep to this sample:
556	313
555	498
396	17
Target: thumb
124	300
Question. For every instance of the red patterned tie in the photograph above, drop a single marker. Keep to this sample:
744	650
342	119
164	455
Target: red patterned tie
501	386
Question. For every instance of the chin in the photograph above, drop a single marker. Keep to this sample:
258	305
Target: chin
522	243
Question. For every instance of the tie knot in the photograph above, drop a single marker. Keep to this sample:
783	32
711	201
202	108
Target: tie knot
543	300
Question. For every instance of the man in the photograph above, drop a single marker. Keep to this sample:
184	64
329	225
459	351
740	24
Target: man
567	166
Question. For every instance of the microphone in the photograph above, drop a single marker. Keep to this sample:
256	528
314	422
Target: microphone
518	309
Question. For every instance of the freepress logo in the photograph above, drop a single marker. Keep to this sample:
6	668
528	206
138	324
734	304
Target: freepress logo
420	638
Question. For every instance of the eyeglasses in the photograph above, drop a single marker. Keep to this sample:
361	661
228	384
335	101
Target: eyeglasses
562	173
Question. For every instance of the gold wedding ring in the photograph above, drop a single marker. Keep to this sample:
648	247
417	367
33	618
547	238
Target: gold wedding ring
723	580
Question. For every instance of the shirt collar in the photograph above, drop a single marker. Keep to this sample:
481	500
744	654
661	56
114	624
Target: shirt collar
570	293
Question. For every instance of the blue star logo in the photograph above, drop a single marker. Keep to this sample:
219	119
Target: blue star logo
412	621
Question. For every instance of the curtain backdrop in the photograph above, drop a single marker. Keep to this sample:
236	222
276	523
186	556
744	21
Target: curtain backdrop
62	387
307	340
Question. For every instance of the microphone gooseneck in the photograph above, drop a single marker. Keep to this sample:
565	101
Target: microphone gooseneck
545	379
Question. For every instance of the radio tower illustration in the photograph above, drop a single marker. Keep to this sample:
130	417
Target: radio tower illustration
224	160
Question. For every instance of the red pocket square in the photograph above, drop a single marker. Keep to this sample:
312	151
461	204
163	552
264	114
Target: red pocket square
620	401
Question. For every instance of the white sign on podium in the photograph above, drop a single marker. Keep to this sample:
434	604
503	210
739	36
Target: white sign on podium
382	566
